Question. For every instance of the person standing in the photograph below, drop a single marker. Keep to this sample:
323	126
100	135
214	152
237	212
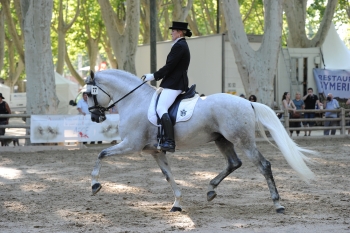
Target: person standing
287	104
252	98
299	104
83	108
310	100
174	79
330	105
4	109
103	66
82	105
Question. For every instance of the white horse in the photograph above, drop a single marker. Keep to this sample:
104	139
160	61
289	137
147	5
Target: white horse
223	118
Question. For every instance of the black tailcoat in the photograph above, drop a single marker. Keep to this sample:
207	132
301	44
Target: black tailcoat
174	73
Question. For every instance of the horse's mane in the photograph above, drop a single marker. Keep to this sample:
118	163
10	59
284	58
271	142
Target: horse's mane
114	73
120	77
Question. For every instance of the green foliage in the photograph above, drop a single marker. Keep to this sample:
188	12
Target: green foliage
252	12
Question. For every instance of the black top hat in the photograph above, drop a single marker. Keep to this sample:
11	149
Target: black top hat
181	26
1	96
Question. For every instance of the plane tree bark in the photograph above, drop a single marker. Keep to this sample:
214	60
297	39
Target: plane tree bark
41	87
256	68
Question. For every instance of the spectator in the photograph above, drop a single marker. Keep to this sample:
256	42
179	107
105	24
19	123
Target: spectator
103	66
252	98
299	104
310	100
288	104
330	105
83	108
4	109
242	96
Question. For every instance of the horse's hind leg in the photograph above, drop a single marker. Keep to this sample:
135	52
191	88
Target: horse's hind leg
265	168
165	168
233	162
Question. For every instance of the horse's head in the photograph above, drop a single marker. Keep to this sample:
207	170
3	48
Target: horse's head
98	99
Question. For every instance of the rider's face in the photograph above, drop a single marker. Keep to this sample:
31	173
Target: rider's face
175	34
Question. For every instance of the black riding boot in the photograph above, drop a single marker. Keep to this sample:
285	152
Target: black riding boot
169	142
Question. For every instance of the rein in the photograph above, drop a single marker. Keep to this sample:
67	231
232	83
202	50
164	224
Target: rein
93	83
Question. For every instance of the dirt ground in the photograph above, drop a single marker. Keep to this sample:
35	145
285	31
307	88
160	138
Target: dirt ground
49	191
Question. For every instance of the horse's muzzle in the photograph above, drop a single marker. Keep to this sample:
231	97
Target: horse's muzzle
98	116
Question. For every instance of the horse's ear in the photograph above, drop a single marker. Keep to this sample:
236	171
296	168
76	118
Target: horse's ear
92	74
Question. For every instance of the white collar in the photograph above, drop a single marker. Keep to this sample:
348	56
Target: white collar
176	41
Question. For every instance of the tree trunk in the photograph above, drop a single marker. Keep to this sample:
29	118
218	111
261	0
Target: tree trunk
2	37
123	35
107	46
62	29
256	68
296	18
180	13
12	27
41	88
72	70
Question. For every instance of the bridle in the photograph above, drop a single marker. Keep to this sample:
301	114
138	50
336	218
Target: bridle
97	111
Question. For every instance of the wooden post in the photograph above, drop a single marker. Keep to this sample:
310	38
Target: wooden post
286	120
342	121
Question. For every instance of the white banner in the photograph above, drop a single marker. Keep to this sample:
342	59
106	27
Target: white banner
68	128
336	82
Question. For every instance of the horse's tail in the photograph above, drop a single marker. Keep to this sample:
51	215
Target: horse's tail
290	150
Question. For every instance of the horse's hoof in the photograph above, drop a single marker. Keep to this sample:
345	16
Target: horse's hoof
280	210
174	209
211	195
95	188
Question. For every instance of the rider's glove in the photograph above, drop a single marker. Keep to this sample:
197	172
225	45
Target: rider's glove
148	77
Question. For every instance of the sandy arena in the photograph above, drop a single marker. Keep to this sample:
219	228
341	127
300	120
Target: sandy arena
49	191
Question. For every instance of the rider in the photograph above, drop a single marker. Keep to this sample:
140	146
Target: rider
175	80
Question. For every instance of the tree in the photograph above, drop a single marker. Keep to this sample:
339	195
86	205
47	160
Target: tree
257	68
122	31
62	29
2	37
41	88
296	18
14	42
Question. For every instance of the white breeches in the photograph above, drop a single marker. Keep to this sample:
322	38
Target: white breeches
166	99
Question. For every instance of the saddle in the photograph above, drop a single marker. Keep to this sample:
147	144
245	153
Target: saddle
190	93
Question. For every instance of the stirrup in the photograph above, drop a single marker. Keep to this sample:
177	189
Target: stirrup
168	146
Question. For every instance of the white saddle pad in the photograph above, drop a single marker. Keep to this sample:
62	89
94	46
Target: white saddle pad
184	112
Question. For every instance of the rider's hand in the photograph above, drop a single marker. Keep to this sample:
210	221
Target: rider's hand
148	77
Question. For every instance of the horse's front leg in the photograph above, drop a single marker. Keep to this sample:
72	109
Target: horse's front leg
165	168
122	148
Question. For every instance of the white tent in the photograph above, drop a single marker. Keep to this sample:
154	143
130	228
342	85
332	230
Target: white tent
5	91
66	90
336	54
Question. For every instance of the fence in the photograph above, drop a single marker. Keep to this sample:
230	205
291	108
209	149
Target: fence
342	119
23	126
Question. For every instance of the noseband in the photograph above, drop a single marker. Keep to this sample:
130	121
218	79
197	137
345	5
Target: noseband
97	111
